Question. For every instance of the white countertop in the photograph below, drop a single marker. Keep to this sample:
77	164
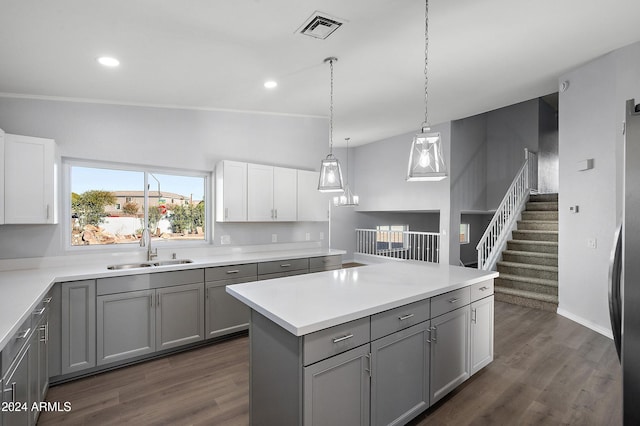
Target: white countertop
307	303
22	290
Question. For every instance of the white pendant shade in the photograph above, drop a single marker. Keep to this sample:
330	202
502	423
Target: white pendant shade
346	199
330	175
426	162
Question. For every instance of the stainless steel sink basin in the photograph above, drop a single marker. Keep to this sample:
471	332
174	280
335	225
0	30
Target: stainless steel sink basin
172	262
149	264
130	266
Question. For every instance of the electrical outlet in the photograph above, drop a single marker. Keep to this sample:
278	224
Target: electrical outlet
307	236
274	238
322	235
592	243
225	239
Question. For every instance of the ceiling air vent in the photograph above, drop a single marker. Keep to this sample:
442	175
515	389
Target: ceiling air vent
320	25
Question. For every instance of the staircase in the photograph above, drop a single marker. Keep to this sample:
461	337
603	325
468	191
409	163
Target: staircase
529	265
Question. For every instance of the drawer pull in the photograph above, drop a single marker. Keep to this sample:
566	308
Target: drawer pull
405	317
233	271
483	288
12	389
47	300
285	265
343	338
39	312
23	334
454	300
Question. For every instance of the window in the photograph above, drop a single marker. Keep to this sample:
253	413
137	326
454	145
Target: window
391	237
464	233
112	204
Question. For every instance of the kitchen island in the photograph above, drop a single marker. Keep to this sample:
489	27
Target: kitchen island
370	345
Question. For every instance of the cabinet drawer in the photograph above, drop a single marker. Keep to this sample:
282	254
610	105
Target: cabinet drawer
334	340
281	274
481	290
16	343
399	318
449	301
147	281
325	263
283	266
231	272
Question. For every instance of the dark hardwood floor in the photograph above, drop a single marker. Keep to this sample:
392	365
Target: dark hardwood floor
547	370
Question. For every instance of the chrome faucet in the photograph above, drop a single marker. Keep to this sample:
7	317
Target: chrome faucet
145	241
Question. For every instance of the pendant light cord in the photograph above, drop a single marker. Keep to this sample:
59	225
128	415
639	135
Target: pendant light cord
426	64
331	110
347	180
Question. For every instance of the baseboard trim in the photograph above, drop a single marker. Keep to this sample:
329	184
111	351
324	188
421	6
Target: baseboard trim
589	324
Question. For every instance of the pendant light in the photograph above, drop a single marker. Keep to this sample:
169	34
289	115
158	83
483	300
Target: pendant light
347	198
426	161
330	172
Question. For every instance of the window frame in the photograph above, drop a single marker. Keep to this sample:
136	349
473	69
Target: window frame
466	234
405	238
67	163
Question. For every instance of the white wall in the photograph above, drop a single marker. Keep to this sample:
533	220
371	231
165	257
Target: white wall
591	113
164	137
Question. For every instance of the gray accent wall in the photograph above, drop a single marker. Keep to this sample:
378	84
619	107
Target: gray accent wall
165	137
590	127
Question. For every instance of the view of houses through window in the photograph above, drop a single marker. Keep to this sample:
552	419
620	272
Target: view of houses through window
390	237
112	206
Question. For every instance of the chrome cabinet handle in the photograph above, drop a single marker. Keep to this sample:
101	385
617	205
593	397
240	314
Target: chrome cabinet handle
151	300
483	288
226	212
12	389
40	312
23	334
233	271
285	265
434	334
343	338
276	214
429	331
368	368
43	329
405	317
454	300
47	300
474	316
47	211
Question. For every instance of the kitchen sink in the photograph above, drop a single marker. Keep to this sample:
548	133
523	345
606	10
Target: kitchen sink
149	264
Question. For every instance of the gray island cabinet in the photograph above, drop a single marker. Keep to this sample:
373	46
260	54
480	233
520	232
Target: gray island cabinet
374	345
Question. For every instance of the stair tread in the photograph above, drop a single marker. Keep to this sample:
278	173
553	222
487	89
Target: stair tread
534	242
532	280
535	231
531	253
528	266
527	294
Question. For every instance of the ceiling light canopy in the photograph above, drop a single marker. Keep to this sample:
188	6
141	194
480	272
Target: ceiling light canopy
426	162
108	61
330	172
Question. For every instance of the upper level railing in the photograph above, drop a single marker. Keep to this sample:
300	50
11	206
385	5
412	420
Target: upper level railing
498	230
399	244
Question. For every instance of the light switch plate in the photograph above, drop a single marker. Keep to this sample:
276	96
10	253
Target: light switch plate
322	235
592	243
225	239
274	238
307	236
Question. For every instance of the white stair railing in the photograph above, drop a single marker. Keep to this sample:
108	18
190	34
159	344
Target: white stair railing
495	237
410	245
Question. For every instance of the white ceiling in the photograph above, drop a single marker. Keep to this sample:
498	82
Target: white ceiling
483	54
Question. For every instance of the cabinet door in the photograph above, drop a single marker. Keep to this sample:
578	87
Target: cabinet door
1	177
16	389
260	193
313	205
224	313
449	351
126	325
179	315
285	188
481	333
400	375
29	180
231	191
43	358
78	325
337	390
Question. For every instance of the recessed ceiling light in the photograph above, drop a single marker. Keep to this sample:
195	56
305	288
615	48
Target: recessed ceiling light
108	61
270	84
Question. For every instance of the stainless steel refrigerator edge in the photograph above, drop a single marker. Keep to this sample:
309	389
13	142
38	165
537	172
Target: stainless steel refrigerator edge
624	274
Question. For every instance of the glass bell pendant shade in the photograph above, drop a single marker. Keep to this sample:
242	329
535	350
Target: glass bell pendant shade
330	175
426	162
346	199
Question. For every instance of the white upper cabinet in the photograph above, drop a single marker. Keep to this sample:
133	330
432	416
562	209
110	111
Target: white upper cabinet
231	191
260	193
1	176
313	205
285	188
30	177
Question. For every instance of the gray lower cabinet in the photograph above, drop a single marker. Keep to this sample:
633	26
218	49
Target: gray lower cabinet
481	333
337	390
449	351
15	390
400	375
78	325
136	323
